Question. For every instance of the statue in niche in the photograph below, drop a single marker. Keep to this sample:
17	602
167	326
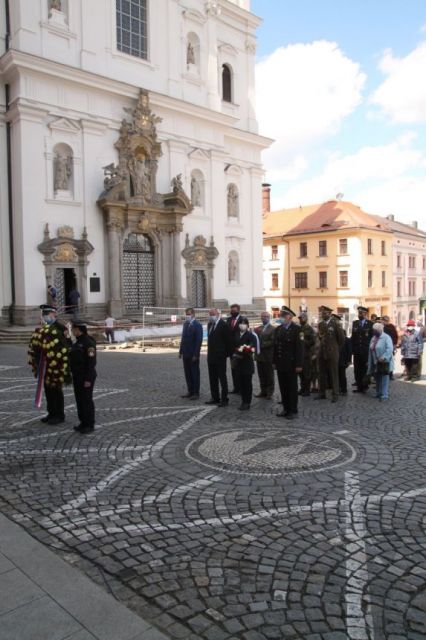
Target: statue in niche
62	170
139	173
190	54
56	4
232	270
195	192
177	184
111	176
233	205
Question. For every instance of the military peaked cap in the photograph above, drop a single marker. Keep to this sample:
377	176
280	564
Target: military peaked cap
363	309
287	311
324	308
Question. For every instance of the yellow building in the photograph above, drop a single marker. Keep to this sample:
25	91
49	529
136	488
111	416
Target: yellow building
333	254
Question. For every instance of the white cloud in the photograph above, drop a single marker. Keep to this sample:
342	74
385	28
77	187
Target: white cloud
380	179
402	95
303	92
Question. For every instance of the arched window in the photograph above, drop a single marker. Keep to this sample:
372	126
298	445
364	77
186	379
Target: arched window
226	83
197	188
63	176
233	203
233	267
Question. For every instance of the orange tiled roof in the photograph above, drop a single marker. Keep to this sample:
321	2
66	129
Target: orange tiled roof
329	216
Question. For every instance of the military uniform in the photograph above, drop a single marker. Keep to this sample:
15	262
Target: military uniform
331	339
309	339
287	357
265	371
83	368
362	332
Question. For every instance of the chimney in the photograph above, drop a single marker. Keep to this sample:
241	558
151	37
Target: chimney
415	224
391	217
266	198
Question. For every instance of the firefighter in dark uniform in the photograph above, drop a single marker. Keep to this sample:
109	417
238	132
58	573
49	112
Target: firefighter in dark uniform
331	339
362	332
288	361
83	368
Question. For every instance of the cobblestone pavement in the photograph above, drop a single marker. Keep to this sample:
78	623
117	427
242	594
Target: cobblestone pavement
217	524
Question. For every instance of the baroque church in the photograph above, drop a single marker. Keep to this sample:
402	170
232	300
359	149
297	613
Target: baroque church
131	156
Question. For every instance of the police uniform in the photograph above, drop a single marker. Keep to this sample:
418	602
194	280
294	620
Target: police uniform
287	357
362	332
83	368
331	339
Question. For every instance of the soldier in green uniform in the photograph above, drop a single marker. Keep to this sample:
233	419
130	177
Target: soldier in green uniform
309	339
331	339
288	361
83	368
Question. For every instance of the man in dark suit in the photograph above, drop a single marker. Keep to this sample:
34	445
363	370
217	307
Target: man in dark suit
234	336
362	332
189	351
218	350
288	361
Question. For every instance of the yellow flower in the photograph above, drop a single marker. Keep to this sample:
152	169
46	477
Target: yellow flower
64	350
55	340
54	363
59	355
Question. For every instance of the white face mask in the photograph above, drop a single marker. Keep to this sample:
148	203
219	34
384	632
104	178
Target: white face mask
188	318
243	327
212	318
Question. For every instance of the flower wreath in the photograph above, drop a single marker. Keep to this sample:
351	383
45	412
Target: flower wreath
45	344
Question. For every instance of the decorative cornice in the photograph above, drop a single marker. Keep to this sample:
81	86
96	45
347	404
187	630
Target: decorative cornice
194	16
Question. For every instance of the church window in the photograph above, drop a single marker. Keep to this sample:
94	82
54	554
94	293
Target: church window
226	83
132	31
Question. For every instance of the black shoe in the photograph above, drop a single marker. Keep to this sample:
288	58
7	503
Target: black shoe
282	414
305	394
77	427
223	403
290	416
86	430
334	399
260	395
320	397
55	420
211	401
45	419
244	407
186	395
195	396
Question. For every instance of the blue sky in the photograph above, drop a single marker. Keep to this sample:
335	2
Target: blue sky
341	87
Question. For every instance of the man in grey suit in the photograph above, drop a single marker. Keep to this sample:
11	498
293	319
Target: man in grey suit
265	370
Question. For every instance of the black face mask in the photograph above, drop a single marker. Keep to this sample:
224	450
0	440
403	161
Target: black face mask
234	314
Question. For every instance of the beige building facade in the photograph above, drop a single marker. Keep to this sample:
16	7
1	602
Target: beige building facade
332	254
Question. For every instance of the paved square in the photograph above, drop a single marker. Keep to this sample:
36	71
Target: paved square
214	523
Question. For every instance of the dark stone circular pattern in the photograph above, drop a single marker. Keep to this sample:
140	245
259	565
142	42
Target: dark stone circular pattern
259	452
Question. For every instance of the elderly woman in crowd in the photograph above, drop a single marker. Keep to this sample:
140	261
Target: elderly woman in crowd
380	360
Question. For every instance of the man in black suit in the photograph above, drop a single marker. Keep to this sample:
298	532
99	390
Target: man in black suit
234	336
362	332
218	350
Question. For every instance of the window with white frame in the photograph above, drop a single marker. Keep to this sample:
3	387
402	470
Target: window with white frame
132	27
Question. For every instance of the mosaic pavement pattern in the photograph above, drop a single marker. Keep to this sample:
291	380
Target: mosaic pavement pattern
218	524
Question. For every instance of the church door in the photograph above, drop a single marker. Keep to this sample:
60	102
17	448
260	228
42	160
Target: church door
138	272
199	298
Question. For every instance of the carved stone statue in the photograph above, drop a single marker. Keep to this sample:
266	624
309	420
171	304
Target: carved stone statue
62	170
112	176
177	184
232	270
55	4
233	201
190	54
195	192
139	173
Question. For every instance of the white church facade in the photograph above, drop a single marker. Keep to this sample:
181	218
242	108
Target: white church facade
131	161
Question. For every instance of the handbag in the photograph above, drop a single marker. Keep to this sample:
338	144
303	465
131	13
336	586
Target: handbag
383	368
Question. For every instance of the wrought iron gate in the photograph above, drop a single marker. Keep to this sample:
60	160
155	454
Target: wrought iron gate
59	284
138	272
198	287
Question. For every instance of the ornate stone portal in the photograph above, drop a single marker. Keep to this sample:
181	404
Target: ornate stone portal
131	205
199	265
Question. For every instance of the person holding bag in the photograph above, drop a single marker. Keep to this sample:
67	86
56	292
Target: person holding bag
380	360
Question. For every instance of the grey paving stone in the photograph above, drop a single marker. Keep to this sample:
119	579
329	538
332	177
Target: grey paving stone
38	620
17	590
